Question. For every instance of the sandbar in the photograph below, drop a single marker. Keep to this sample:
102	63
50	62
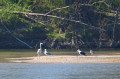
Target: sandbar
68	59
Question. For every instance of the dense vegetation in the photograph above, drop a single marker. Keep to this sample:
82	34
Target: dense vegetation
59	23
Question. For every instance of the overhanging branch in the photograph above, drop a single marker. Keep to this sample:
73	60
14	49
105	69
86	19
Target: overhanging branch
34	20
39	14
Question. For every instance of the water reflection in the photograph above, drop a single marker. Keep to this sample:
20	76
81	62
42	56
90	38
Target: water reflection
59	71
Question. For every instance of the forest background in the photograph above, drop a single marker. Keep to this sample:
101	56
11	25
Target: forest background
59	24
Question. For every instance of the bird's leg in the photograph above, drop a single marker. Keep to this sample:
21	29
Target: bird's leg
38	55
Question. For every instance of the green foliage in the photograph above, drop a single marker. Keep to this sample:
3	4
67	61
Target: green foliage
33	33
57	36
28	30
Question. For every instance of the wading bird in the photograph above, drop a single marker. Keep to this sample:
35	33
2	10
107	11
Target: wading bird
91	52
46	52
40	50
81	52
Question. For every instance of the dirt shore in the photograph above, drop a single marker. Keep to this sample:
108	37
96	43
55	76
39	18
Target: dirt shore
68	59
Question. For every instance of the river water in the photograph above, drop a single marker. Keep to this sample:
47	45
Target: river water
59	71
10	70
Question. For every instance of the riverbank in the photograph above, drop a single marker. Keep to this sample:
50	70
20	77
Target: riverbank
68	59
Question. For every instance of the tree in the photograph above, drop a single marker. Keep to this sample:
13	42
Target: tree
78	22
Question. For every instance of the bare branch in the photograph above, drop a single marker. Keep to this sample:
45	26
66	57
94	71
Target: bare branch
64	8
15	36
101	2
39	14
57	9
34	20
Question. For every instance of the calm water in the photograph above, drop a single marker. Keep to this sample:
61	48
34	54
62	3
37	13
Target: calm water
59	71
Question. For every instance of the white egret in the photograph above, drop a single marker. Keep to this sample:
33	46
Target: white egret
81	52
40	50
91	52
46	52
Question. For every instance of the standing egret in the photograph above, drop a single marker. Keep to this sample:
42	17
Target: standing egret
39	50
91	52
81	52
46	52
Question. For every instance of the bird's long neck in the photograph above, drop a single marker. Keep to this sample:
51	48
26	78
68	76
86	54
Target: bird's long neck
40	46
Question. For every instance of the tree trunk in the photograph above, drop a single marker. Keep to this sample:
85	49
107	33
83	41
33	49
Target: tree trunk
114	35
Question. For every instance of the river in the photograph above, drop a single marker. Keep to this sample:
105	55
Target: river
59	71
9	70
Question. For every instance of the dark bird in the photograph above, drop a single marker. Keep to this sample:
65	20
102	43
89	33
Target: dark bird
81	52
